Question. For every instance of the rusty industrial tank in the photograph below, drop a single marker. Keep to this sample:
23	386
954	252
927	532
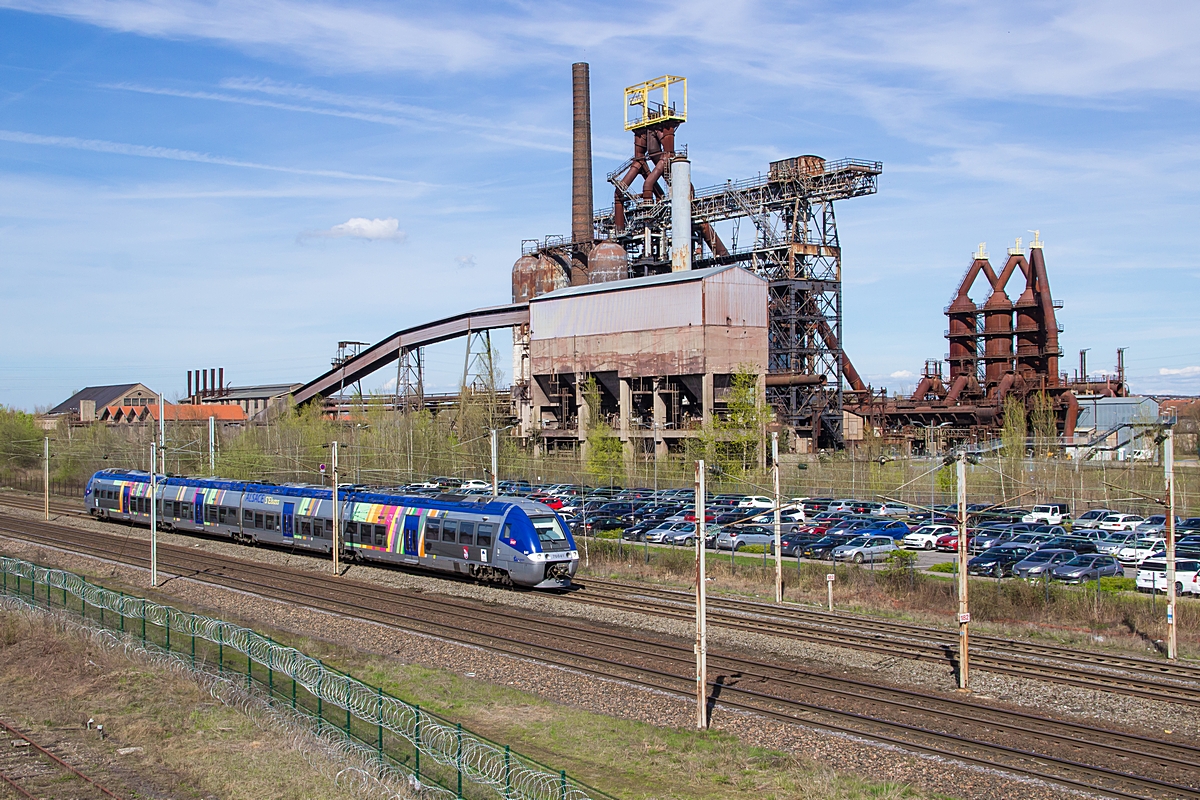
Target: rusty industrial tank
608	261
549	275
524	278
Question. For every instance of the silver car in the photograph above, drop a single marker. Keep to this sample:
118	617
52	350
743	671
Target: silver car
865	548
1091	519
1040	562
735	537
660	533
686	534
1115	541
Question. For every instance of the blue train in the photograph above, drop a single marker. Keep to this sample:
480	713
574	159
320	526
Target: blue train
512	541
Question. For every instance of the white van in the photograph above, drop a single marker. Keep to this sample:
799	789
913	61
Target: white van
1152	576
1049	514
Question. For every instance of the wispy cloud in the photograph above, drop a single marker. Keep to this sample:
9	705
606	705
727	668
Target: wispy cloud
1183	372
903	373
372	230
174	154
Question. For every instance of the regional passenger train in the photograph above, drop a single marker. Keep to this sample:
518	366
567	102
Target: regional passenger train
504	540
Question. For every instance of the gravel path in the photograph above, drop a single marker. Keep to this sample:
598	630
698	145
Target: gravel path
624	701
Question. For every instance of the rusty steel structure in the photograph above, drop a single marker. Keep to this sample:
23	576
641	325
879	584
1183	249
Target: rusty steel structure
794	245
998	350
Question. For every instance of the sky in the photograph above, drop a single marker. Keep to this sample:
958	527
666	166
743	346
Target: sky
194	184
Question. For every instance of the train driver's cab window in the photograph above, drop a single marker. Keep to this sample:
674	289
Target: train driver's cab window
484	538
449	530
466	533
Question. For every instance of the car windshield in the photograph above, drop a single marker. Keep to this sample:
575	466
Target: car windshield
1081	561
1039	557
1146	544
857	542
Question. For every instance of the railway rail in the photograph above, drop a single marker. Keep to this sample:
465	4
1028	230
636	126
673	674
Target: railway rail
1116	763
34	771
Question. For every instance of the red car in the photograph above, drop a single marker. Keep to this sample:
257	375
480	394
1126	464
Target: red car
948	543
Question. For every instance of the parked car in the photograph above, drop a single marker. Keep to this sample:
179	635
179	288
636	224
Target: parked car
656	535
926	537
998	561
792	544
1049	513
865	548
1155	523
1039	562
893	528
595	523
1087	568
1121	522
948	542
822	549
756	501
1152	576
1091	519
1189	524
1142	548
687	535
1077	544
1112	544
893	510
735	537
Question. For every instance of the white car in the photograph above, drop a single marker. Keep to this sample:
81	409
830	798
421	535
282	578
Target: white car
892	510
475	484
1121	522
756	502
1048	514
1152	576
925	537
1142	548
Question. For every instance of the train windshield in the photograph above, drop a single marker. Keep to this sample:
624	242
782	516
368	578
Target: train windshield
550	534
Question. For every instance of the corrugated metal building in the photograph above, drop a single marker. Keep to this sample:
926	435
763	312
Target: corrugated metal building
1098	415
663	350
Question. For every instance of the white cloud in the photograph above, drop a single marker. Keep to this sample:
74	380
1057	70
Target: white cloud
372	230
1184	372
465	262
903	373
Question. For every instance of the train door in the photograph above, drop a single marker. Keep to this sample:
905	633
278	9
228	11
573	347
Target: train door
411	535
198	508
289	510
126	491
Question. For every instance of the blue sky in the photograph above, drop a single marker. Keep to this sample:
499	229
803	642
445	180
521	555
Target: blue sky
180	181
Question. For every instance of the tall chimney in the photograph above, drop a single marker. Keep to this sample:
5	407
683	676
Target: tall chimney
221	377
681	215
189	383
581	173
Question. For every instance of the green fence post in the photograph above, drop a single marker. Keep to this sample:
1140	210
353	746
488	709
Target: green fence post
82	603
220	653
122	614
101	614
193	641
458	760
417	772
347	718
507	772
270	678
293	694
380	743
167	629
320	707
249	672
6	583
143	622
64	595
562	775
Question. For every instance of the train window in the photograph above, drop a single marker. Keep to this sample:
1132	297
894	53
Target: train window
210	513
433	528
350	531
258	520
272	522
319	528
248	518
449	530
305	528
185	510
466	533
484	539
508	534
380	535
222	512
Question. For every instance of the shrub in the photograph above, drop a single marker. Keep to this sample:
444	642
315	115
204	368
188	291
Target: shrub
945	566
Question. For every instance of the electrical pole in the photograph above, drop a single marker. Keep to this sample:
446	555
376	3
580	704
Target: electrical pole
964	613
154	515
46	474
337	528
1169	469
778	544
495	462
162	434
701	610
212	441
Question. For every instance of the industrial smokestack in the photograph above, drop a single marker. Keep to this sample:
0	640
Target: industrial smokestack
581	173
681	215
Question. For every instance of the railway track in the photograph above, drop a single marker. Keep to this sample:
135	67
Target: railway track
1139	677
34	771
1145	678
1115	763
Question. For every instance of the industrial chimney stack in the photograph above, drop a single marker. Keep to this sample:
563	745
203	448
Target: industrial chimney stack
581	174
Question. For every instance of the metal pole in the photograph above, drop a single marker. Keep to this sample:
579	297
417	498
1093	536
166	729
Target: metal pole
337	528
964	613
701	610
495	462
162	436
153	518
1169	469
46	475
212	440
778	544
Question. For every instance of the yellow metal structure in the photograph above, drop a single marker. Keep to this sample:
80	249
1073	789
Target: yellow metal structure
650	108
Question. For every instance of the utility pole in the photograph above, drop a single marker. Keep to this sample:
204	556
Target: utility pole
964	613
495	462
162	434
46	474
1169	469
212	441
337	528
701	609
154	514
778	544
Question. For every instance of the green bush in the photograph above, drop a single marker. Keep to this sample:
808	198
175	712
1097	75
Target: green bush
753	548
945	566
1115	585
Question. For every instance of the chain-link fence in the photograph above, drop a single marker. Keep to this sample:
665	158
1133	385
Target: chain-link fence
440	756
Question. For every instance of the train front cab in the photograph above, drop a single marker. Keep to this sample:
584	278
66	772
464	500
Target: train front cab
539	550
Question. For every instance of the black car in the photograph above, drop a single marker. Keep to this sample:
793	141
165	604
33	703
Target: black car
998	561
791	544
822	549
1079	544
592	524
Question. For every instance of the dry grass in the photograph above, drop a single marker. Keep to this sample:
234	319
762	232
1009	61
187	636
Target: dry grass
1072	614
